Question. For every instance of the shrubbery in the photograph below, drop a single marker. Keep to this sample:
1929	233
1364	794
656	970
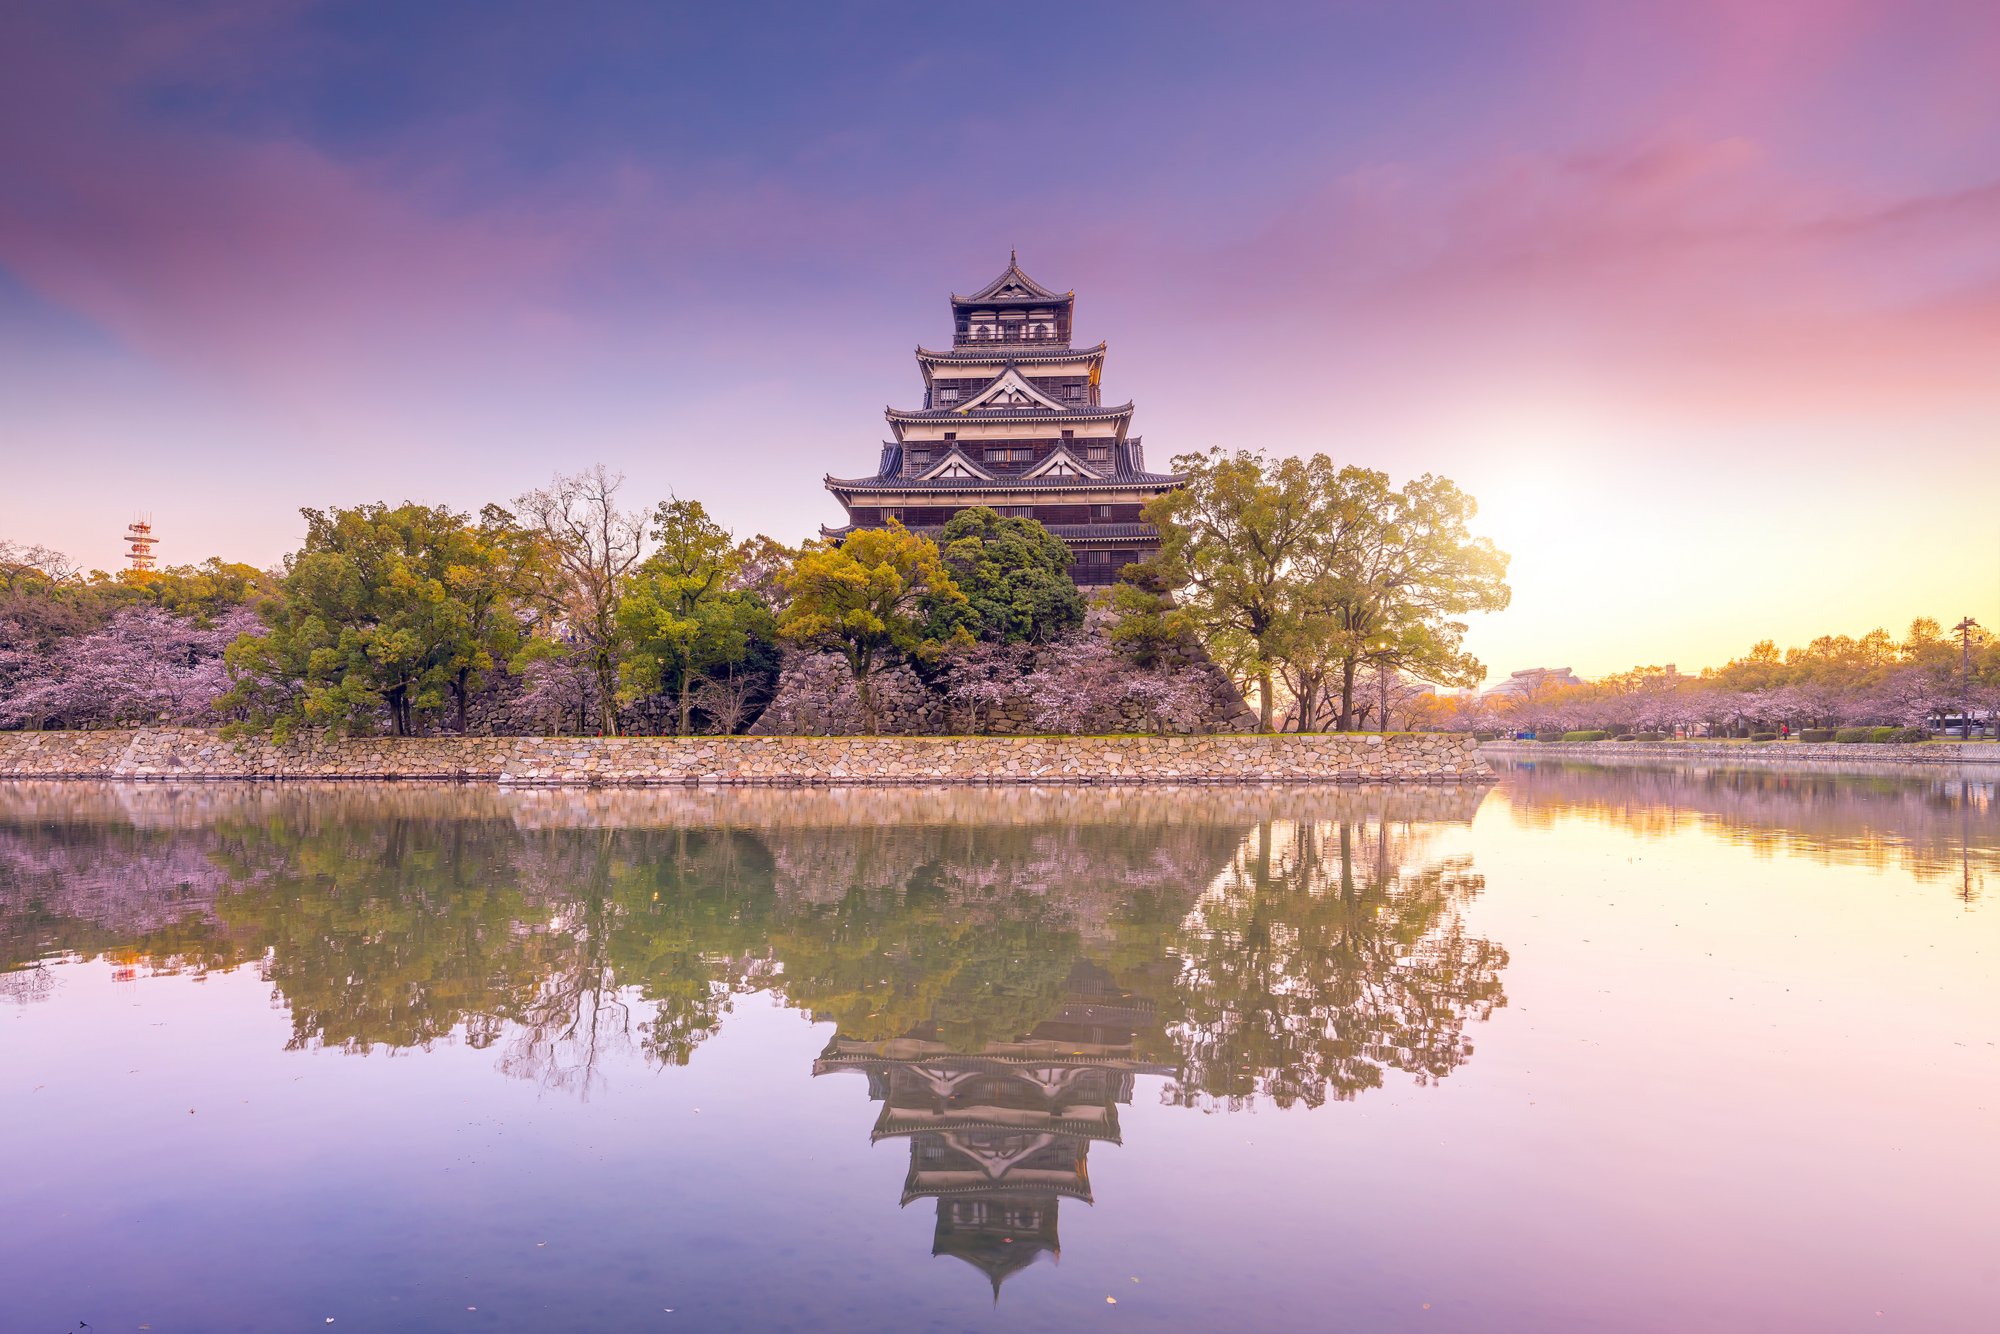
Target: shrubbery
1763	736
1880	735
1816	734
1652	736
1548	736
1589	734
1625	736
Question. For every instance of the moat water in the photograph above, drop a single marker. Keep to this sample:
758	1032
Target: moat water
1596	1048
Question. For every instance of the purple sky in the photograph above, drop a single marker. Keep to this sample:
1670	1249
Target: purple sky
1702	300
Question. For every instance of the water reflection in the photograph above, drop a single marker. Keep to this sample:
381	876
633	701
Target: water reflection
1001	965
999	1137
1040	1008
1937	824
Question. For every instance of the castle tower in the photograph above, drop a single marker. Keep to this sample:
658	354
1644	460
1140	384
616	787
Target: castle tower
139	542
1013	418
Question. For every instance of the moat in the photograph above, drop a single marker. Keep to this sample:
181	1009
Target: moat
1652	1048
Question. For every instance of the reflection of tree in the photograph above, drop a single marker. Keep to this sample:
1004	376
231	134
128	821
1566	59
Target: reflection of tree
674	920
97	886
1936	824
391	932
1305	956
1317	961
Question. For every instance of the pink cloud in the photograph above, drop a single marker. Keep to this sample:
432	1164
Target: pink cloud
1687	275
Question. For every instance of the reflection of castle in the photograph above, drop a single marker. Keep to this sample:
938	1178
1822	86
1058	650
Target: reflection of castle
1001	1136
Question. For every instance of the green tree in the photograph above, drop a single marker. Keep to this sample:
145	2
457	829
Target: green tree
1014	574
1147	624
382	609
682	619
872	599
1243	539
1403	570
201	593
491	570
1289	568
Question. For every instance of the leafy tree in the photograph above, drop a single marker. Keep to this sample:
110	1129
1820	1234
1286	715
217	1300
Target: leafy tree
1243	539
873	599
1406	567
1014	574
490	572
684	623
203	593
382	609
1147	624
1291	569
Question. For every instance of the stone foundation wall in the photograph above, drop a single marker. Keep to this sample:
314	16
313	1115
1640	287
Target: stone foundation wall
193	754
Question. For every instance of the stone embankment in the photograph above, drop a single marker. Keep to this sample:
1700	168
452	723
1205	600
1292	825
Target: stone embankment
191	754
1755	752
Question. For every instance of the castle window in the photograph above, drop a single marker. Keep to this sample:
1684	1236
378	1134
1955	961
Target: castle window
919	457
1008	453
1098	453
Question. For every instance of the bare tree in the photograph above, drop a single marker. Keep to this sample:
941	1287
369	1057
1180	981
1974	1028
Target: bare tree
23	558
592	546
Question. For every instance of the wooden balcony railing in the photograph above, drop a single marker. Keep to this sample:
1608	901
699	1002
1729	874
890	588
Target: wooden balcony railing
976	337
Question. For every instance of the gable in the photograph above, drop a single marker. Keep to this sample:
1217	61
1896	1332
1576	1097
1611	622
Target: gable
1012	285
1010	390
1061	463
955	465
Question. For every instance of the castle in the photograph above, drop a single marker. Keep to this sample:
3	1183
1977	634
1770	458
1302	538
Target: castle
1013	418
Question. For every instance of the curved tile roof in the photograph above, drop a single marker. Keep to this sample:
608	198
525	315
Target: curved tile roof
1117	481
1120	412
997	352
1012	277
1068	532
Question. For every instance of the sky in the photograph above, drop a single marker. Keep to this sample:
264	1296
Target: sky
1701	300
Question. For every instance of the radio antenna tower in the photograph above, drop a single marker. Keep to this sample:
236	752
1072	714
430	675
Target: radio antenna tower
139	536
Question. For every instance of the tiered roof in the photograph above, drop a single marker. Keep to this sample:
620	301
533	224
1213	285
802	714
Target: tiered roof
1127	469
994	353
1013	287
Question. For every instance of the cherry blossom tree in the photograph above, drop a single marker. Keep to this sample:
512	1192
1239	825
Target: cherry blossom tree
143	666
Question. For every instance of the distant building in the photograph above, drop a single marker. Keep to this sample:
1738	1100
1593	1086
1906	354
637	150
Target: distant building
1013	418
1534	678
